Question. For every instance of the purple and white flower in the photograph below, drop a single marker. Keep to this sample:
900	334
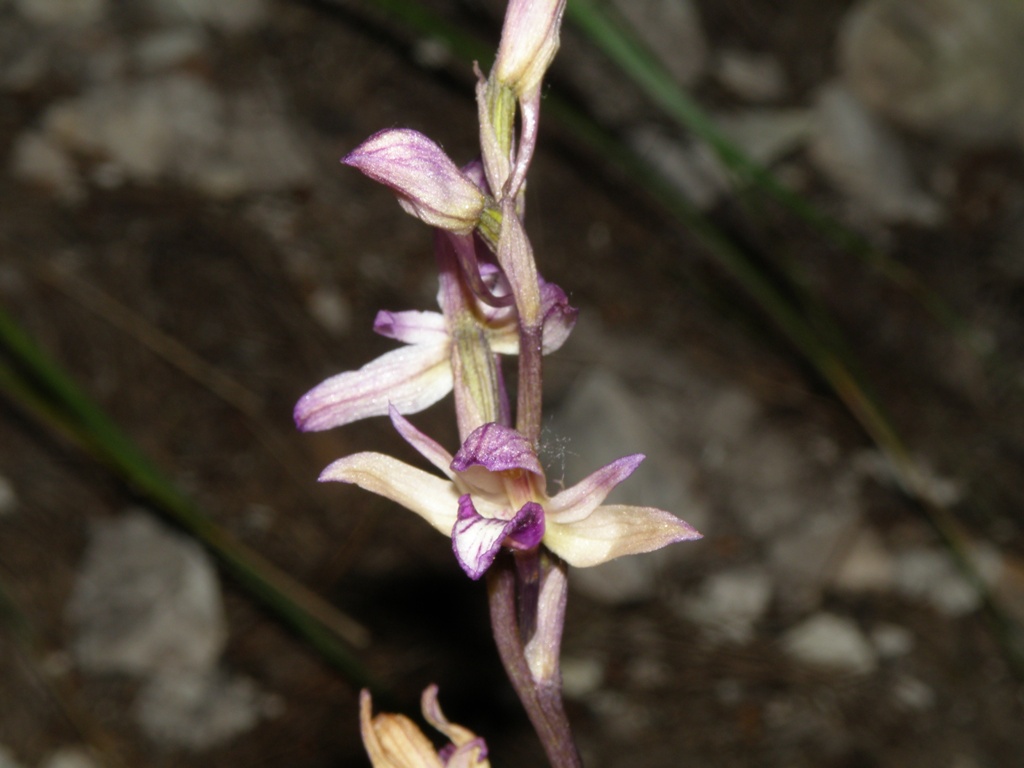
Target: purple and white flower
414	377
494	495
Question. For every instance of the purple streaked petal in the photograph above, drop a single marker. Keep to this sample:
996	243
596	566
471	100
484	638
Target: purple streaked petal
613	531
410	378
527	528
428	184
427	447
576	503
429	496
559	317
412	326
476	539
496	448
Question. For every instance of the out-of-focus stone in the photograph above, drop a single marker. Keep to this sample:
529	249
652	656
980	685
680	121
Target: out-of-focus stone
866	565
70	757
146	599
673	31
827	640
866	161
67	13
947	68
232	16
35	159
197	709
170	48
7	759
730	603
931	575
144	128
8	497
175	126
754	77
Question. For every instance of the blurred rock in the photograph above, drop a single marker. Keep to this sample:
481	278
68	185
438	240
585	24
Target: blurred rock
146	129
197	709
912	694
765	136
232	16
8	497
866	565
752	76
729	604
832	641
146	600
947	68
69	13
581	676
892	641
670	28
866	161
70	757
931	575
170	48
37	160
177	127
7	758
673	31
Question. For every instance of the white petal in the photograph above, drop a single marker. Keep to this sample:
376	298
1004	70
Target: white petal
613	531
412	326
432	498
410	378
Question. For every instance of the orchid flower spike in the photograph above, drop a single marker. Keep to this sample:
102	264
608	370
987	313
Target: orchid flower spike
394	741
414	377
494	495
428	184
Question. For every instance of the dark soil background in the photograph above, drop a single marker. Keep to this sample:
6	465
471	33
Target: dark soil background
100	284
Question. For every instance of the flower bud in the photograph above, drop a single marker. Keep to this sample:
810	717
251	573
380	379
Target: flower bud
428	184
529	41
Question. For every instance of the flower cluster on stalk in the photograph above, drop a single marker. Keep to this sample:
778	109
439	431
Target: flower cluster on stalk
492	493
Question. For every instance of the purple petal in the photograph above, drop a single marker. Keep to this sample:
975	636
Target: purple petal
412	327
557	315
498	449
577	502
428	184
410	378
527	527
476	539
427	447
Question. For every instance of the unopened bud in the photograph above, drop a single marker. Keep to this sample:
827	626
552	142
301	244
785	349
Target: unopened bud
529	41
428	184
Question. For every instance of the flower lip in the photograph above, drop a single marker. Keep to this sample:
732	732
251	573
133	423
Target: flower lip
497	448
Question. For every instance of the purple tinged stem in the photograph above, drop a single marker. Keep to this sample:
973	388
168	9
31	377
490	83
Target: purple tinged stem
542	699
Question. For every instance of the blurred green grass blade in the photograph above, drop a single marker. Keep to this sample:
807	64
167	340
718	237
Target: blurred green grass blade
30	379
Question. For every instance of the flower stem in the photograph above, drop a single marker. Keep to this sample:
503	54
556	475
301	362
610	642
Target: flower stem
542	699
